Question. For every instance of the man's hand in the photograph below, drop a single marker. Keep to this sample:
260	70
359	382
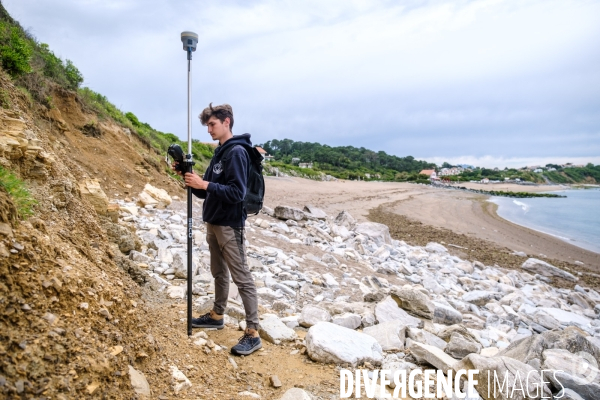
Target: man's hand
194	181
174	168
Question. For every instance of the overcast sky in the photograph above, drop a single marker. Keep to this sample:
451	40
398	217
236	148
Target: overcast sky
490	82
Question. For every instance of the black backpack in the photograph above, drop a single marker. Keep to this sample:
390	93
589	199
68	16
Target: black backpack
255	187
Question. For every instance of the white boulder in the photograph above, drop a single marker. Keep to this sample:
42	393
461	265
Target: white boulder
379	233
330	343
390	335
543	268
273	330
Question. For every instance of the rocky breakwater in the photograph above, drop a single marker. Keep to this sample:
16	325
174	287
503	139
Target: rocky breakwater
368	301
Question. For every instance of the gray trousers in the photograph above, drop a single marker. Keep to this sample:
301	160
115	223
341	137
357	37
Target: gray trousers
227	249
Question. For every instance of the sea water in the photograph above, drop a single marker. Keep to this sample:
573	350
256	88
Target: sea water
575	219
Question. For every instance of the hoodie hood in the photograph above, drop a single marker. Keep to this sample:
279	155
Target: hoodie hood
243	139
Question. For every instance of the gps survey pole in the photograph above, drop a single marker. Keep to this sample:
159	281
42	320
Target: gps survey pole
189	39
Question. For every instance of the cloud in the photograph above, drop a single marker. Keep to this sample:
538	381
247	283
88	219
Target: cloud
431	79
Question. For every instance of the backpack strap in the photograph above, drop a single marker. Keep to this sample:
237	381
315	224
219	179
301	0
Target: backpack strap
231	148
242	202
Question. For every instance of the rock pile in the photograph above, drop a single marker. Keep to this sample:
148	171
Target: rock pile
367	299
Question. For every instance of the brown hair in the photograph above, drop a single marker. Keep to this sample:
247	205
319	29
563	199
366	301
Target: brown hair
220	112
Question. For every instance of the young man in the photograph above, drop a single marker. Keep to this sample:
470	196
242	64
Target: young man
223	189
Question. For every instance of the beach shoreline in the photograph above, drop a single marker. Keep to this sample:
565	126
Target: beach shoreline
565	239
460	212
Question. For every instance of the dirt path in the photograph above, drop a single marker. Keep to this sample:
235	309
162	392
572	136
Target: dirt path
213	376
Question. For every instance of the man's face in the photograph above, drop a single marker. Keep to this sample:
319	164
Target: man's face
217	129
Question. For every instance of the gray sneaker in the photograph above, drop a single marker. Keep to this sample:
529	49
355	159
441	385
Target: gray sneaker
206	321
248	344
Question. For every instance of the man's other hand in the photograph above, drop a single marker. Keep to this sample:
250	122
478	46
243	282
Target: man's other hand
174	168
194	181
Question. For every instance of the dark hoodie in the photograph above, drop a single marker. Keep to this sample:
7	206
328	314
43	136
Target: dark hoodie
224	196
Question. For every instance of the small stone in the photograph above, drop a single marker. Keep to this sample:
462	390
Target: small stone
275	382
413	301
459	347
179	381
489	351
249	394
543	268
92	387
176	292
273	330
105	313
432	355
138	382
84	306
286	212
51	318
390	335
6	229
200	334
311	315
295	394
233	363
115	350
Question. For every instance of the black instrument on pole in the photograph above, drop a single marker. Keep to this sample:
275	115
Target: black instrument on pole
189	40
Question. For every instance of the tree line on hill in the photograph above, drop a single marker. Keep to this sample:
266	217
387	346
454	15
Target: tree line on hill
554	173
588	174
346	162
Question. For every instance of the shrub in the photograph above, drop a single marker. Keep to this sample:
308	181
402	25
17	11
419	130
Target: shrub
74	77
37	86
21	55
15	51
18	192
5	99
134	120
53	66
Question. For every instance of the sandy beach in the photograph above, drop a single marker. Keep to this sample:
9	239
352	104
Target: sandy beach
419	213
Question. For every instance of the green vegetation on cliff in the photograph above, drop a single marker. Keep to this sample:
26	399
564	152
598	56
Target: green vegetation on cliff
154	139
39	72
588	174
31	63
18	192
551	172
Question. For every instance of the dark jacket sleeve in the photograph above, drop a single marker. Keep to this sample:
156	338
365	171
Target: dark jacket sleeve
236	178
201	193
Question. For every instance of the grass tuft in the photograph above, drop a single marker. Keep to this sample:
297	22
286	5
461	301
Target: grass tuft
19	193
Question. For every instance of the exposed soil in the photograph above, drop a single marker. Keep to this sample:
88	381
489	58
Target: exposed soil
212	375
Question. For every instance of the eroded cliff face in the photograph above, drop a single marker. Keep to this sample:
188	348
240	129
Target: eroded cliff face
70	321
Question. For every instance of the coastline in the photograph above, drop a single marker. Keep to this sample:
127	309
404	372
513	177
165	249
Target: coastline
565	239
463	215
513	187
